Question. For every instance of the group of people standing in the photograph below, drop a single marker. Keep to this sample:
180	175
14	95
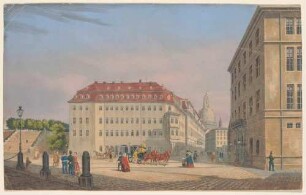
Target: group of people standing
70	164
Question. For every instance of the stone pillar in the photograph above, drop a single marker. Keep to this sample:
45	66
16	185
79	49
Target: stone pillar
45	171
20	164
85	180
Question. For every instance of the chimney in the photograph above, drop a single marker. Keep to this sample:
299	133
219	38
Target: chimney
113	82
139	80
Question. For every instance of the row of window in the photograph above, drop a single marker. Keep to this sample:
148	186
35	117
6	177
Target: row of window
131	133
80	133
293	25
122	97
237	115
290	125
127	108
236	92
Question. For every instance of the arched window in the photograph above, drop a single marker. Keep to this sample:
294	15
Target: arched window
112	133
132	133
154	133
149	133
257	147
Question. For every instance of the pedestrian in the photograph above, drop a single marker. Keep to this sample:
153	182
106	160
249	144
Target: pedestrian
189	160
70	163
119	161
76	164
125	163
195	156
64	159
28	162
271	162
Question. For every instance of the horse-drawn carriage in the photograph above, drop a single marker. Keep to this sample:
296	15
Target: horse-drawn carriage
100	155
142	156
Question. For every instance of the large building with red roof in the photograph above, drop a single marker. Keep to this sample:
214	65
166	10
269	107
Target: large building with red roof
110	116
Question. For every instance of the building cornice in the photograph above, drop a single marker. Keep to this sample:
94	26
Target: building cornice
258	13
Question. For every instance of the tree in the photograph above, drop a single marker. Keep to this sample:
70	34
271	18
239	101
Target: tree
10	123
57	140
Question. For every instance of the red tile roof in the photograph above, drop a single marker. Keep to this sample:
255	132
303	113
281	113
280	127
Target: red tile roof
124	92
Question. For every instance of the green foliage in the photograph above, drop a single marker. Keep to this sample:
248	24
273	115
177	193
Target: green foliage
14	123
57	140
10	123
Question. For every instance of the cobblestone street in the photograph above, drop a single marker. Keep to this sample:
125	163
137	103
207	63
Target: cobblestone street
150	177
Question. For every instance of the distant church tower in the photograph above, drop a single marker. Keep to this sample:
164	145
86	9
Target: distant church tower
207	114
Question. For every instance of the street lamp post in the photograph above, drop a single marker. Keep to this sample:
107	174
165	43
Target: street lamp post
20	164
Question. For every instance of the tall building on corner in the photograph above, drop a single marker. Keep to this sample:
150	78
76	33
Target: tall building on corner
266	90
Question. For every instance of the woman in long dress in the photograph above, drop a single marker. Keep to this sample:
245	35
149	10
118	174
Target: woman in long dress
76	164
189	160
125	163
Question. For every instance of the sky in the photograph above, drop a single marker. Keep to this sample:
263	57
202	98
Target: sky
51	51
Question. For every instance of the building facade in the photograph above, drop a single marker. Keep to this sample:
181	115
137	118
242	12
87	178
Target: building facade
266	90
216	141
106	116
